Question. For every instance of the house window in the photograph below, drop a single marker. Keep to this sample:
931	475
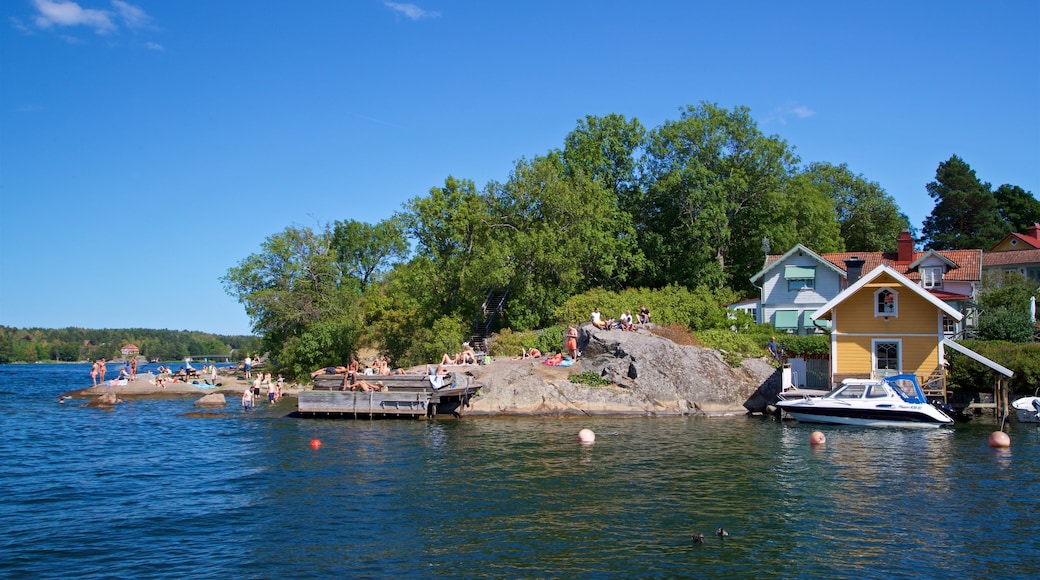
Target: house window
799	277
886	303
932	277
886	358
949	325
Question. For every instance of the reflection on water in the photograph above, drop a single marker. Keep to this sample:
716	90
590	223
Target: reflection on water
143	492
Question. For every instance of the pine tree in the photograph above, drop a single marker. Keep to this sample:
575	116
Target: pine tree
966	213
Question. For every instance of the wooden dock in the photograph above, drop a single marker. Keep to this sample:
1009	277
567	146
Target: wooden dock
404	396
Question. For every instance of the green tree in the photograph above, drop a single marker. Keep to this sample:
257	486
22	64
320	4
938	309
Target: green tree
802	213
295	295
966	214
1004	307
1019	208
869	218
364	250
604	149
451	231
705	174
559	233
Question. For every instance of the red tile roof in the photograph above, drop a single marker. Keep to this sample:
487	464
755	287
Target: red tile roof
968	262
1012	258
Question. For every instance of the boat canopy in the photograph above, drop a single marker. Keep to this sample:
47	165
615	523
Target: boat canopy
907	387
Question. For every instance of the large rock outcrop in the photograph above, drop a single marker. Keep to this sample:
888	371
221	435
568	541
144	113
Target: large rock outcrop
650	375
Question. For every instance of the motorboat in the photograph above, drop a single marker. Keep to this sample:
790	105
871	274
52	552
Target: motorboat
1027	409
895	401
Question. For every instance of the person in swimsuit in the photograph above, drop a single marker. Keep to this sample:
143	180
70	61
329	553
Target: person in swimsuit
572	342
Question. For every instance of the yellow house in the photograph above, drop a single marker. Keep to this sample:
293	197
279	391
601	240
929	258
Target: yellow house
886	324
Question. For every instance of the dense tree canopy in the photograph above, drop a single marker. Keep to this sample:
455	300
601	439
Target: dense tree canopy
299	299
687	207
705	175
1019	208
966	214
79	344
869	218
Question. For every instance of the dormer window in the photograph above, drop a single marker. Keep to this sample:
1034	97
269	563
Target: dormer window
886	303
932	277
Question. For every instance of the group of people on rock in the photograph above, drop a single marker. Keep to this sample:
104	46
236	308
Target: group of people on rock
624	322
466	356
99	370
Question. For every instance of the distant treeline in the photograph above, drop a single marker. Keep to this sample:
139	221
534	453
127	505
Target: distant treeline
78	344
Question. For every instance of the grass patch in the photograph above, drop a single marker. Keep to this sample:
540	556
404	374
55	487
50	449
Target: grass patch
588	378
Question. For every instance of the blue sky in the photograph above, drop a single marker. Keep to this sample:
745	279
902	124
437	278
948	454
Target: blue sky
148	146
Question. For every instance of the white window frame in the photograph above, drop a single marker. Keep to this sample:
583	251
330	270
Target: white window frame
932	277
895	302
875	371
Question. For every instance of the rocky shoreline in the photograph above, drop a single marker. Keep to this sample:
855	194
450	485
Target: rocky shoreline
650	376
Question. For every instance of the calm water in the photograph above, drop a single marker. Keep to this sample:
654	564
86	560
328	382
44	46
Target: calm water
141	492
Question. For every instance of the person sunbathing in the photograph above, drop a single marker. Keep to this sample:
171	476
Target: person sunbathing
367	387
340	370
554	360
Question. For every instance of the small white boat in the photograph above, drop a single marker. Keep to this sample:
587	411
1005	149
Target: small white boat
895	401
1027	409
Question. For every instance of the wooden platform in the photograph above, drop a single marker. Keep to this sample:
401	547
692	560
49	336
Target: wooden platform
405	396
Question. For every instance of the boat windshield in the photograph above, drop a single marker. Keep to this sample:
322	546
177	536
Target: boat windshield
907	388
848	391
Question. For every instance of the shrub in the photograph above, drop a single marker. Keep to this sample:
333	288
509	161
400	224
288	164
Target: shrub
797	345
588	378
699	309
507	343
743	345
550	339
1023	358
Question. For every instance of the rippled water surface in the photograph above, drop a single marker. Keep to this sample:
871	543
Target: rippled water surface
144	492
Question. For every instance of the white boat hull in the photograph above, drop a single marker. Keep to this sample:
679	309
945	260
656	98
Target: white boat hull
861	421
1027	409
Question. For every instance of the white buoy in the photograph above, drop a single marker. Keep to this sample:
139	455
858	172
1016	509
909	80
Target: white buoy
586	436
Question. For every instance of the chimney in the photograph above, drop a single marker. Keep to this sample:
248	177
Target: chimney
906	247
1034	231
853	270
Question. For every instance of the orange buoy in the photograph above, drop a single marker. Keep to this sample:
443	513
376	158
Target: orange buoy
999	439
817	438
315	443
586	436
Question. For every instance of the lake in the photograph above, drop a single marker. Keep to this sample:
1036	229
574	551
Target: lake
144	492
